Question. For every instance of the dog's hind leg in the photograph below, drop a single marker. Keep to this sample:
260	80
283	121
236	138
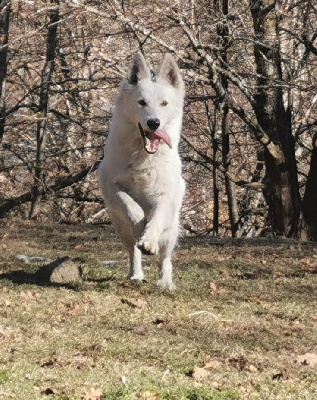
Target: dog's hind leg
168	241
166	273
167	244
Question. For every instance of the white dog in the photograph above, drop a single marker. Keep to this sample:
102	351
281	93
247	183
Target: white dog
140	175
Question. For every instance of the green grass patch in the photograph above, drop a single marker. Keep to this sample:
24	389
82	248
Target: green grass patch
4	376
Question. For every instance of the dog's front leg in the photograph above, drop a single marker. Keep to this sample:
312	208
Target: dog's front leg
129	220
149	241
136	270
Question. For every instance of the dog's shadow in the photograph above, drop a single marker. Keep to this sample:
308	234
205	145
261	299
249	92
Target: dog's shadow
20	277
39	278
70	277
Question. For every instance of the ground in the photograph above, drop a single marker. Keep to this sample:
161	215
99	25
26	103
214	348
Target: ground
241	324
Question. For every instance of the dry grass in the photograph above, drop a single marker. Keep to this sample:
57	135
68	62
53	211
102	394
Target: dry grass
241	315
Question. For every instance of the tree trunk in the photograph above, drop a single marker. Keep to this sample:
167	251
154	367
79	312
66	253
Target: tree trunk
39	173
225	136
215	183
5	9
309	231
229	184
282	192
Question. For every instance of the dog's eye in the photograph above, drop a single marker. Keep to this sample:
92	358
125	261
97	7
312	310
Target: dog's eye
164	103
142	103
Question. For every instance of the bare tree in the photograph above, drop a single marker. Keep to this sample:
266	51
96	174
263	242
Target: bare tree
251	78
223	32
310	198
41	131
5	9
56	113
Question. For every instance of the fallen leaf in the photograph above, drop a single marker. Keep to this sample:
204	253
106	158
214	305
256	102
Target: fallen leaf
307	359
149	395
252	368
50	363
8	395
134	303
92	394
199	374
213	364
225	273
309	267
213	288
28	295
256	299
125	284
77	308
80	362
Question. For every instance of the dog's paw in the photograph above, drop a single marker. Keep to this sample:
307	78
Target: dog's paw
166	284
137	277
148	247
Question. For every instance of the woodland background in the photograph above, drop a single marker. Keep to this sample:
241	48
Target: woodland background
249	140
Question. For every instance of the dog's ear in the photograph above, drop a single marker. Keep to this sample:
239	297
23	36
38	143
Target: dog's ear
138	69
170	72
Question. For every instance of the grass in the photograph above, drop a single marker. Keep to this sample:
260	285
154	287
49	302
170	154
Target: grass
241	315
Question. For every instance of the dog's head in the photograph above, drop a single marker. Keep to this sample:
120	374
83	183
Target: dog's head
154	101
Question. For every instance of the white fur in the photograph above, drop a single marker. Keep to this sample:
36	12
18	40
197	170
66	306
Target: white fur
144	192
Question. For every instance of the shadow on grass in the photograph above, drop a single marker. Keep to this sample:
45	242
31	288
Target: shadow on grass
42	277
224	241
21	277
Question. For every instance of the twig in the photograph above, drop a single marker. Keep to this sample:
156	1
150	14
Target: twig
203	312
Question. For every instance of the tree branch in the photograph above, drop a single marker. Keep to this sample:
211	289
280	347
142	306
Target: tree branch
10	204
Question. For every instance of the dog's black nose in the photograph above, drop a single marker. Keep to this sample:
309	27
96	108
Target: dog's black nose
153	124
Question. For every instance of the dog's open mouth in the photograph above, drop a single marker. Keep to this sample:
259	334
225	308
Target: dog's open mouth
152	139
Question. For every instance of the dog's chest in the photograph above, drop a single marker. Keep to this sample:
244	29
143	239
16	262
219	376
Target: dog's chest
145	181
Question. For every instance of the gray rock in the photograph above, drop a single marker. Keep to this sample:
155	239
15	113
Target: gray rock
61	271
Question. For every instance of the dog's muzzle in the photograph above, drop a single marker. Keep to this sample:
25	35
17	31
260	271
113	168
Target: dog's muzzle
153	139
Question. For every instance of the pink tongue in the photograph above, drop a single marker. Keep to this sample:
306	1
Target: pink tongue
160	135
